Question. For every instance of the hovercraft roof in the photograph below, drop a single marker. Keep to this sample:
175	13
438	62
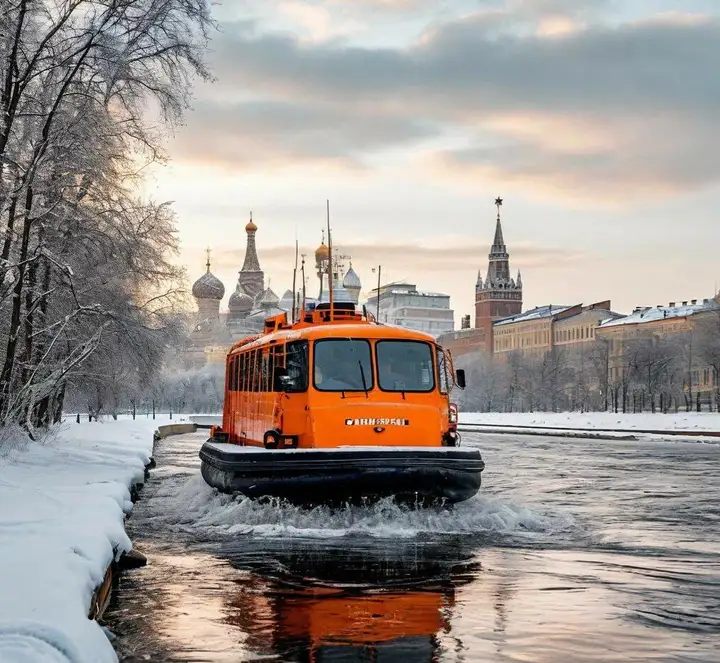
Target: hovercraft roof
317	322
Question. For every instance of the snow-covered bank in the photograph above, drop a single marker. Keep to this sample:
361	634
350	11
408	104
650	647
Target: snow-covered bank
62	507
607	421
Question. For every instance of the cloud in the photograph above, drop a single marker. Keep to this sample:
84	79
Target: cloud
605	112
457	256
244	135
620	163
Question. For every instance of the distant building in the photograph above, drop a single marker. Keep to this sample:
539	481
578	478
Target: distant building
579	329
497	296
403	305
207	326
346	285
529	333
212	333
538	330
675	319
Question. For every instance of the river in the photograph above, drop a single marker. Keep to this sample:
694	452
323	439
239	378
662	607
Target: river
573	551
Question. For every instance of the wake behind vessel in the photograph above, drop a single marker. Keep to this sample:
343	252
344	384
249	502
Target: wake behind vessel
337	407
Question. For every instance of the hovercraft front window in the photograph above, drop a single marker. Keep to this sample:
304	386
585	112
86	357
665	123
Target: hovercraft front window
405	366
342	364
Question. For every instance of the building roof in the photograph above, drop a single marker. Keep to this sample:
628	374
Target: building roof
537	313
240	302
607	313
653	314
418	293
208	286
351	280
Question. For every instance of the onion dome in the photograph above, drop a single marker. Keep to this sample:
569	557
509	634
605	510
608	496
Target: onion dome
268	298
250	227
240	302
208	286
287	301
351	280
322	252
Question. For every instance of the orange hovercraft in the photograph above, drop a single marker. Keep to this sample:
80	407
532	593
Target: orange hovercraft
339	408
336	407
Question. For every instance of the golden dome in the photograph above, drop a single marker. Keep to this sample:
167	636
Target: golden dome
250	227
322	251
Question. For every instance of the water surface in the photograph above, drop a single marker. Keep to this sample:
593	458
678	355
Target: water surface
574	550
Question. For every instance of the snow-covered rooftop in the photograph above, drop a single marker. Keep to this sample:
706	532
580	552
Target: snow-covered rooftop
420	293
654	313
536	313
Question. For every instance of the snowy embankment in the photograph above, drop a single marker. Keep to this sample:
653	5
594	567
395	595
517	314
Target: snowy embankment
62	508
599	421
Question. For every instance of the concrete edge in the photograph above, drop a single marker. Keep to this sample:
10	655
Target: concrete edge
103	592
472	425
546	433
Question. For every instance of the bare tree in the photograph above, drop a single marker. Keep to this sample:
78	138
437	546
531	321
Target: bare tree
708	348
650	364
486	383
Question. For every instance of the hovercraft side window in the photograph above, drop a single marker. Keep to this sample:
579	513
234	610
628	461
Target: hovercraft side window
405	366
443	376
342	364
292	377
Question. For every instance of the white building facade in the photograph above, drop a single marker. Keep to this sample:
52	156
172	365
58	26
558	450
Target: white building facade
403	305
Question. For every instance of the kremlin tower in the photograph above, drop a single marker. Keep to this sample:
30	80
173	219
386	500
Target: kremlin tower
498	296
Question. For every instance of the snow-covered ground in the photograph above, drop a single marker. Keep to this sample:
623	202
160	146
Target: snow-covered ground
605	421
62	507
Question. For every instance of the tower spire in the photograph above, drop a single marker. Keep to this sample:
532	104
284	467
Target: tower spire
498	241
251	264
207	264
498	295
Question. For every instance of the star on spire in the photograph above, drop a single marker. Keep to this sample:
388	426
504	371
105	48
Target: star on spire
498	204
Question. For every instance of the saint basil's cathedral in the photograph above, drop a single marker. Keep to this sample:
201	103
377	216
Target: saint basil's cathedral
252	302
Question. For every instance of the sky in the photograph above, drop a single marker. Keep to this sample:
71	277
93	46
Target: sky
594	120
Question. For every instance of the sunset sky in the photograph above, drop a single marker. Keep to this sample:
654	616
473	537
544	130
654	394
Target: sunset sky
595	120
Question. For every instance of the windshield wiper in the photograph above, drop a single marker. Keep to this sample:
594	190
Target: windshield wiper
362	376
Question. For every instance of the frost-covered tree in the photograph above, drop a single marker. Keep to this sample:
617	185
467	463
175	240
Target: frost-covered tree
87	287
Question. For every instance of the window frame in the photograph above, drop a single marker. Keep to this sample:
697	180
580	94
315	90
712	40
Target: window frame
370	379
442	366
300	343
433	370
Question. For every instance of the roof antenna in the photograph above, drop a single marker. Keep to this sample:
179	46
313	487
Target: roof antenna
302	275
330	262
294	307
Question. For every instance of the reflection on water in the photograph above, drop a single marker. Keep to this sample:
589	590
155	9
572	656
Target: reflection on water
295	601
571	554
344	604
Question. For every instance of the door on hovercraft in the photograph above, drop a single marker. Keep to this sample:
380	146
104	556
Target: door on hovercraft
291	378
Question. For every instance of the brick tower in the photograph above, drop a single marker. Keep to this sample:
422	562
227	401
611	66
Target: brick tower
498	296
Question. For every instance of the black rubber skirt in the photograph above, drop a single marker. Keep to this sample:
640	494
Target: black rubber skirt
416	475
